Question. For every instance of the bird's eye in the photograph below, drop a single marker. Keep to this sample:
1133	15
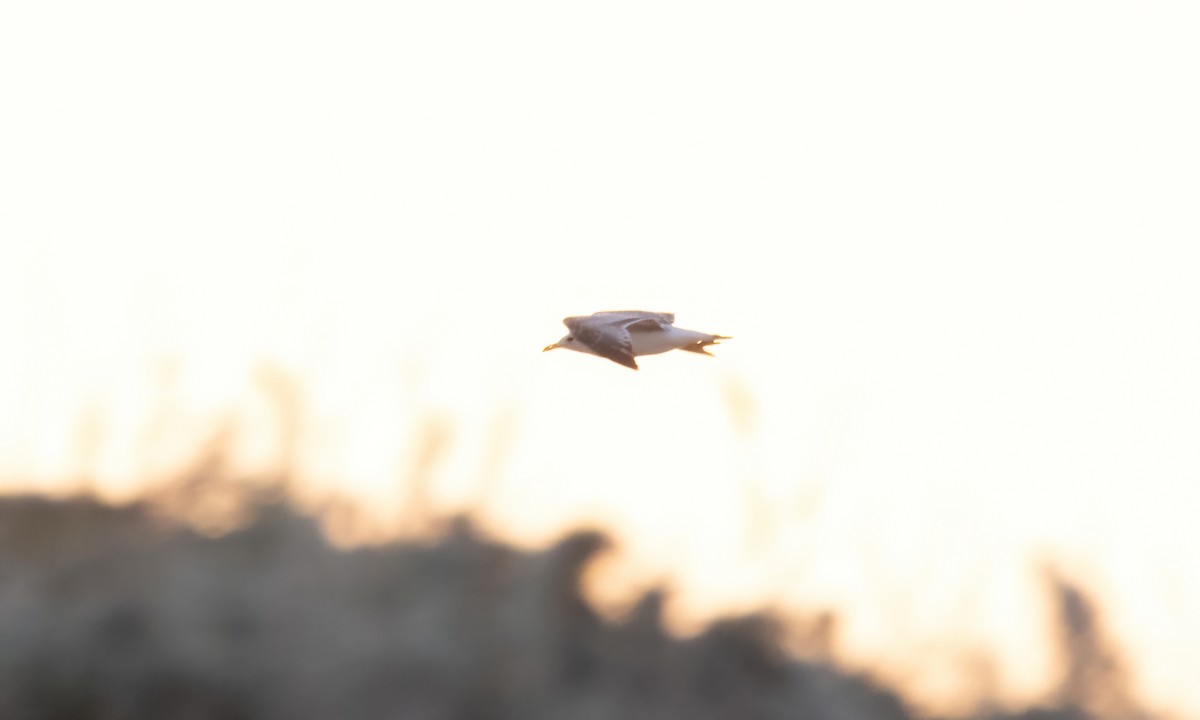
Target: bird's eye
570	338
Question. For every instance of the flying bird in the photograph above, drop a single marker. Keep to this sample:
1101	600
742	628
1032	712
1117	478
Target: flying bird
622	335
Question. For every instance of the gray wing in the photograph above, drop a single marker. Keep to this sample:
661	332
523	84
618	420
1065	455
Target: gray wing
625	317
606	338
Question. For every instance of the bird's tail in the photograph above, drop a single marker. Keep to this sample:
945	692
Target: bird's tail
699	345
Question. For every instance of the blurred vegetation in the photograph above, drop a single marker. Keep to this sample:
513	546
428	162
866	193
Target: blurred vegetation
149	610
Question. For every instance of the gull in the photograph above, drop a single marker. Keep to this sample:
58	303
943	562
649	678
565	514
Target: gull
622	335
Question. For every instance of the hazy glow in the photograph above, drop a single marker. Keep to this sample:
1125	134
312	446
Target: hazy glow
956	245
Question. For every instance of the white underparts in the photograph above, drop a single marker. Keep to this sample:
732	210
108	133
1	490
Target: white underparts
660	341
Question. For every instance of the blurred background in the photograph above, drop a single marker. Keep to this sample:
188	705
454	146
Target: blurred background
275	278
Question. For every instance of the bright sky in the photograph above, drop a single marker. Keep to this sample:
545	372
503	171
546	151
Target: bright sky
956	243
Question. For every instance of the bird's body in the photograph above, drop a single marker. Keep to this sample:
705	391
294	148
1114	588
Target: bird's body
622	335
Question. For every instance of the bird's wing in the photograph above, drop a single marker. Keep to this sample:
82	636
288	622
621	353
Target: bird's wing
606	339
626	317
617	316
645	325
623	317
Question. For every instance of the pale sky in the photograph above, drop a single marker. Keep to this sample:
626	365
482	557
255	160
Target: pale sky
956	245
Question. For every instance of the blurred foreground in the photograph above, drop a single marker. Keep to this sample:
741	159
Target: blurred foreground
136	611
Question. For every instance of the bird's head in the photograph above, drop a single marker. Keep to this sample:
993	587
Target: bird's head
569	342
